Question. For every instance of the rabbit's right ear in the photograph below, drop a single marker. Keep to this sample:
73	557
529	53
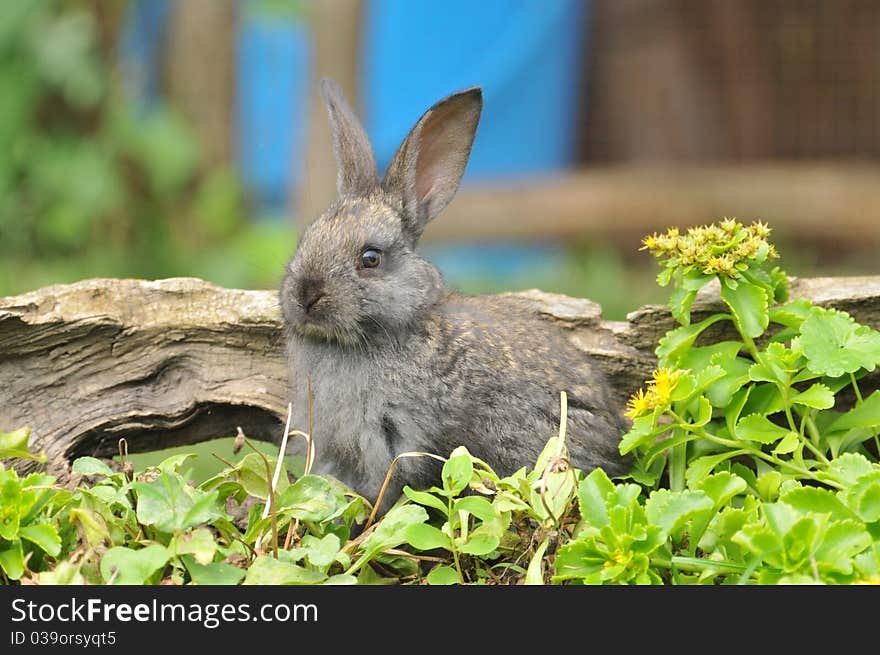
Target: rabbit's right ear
356	172
425	172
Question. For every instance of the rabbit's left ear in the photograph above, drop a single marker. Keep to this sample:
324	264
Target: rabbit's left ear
355	165
427	168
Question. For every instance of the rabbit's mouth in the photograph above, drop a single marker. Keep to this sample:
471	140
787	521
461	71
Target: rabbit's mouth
315	330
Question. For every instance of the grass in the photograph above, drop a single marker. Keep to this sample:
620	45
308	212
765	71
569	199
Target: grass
205	465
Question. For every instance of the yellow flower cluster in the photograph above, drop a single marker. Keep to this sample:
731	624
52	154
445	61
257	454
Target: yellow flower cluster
659	392
726	248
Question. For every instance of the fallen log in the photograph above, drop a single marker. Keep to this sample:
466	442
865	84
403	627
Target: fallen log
178	361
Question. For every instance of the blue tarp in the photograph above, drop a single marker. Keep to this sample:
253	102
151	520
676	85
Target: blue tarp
526	54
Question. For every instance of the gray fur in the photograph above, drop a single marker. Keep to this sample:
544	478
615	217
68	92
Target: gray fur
355	165
400	363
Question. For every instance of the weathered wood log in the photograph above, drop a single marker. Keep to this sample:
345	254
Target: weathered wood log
178	361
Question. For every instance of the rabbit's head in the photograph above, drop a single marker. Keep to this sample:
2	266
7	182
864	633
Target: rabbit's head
356	275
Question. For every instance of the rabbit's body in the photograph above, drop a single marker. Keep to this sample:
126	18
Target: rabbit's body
456	380
399	363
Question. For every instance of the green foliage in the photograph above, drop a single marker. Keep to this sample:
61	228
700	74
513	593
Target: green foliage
755	462
28	535
92	185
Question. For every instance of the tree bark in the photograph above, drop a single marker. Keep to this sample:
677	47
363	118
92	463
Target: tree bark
200	71
177	361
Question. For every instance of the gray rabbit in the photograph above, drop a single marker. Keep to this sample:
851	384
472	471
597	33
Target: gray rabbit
397	361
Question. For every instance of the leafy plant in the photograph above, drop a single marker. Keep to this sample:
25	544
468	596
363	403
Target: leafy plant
91	184
755	462
763	401
27	534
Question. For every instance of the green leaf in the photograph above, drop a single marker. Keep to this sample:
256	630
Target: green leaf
172	505
311	498
670	510
749	304
788	444
775	364
848	468
840	544
682	296
93	525
664	277
443	575
864	497
757	427
457	472
126	566
199	543
43	535
582	559
14	441
704	412
735	407
800	541
422	536
15	444
323	552
736	374
644	431
214	573
553	497
817	396
535	572
204	509
764	398
818	500
780	517
864	415
174	462
769	484
12	559
592	492
64	573
476	505
254	478
721	487
10	504
425	498
480	542
792	314
699	468
91	466
266	570
680	301
841	442
677	342
834	344
391	531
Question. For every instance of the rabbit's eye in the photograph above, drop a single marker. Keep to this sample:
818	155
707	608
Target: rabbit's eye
370	258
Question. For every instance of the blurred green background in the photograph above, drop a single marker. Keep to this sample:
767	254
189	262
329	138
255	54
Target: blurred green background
92	186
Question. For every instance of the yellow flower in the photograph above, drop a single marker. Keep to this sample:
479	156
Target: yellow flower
760	229
729	225
659	393
639	404
726	248
662	385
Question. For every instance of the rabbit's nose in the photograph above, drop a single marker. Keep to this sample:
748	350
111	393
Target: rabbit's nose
310	292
